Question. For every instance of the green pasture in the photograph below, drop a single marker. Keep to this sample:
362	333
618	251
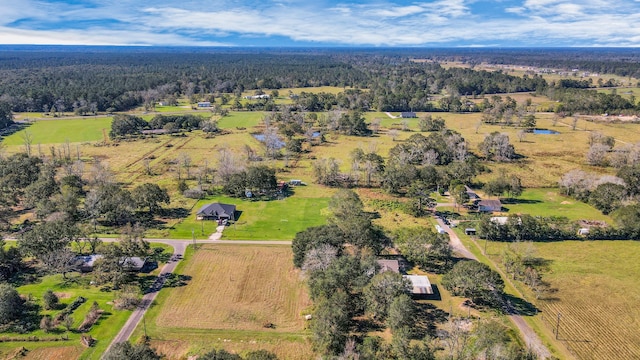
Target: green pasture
593	286
259	220
549	202
162	109
60	131
76	285
242	119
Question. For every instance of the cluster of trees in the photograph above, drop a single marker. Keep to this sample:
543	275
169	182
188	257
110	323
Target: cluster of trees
345	284
604	192
496	147
504	184
425	248
615	195
143	351
591	101
260	180
130	125
507	112
6	115
476	281
526	227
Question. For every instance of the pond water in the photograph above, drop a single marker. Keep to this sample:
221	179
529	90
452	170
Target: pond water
545	132
260	137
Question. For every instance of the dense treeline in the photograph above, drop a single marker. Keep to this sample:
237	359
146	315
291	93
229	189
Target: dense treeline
618	61
116	81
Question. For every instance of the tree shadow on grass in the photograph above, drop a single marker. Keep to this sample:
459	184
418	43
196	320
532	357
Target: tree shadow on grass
513	201
175	213
430	317
519	306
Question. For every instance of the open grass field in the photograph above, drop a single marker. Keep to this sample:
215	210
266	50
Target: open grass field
60	130
549	202
595	291
259	220
106	328
235	290
243	119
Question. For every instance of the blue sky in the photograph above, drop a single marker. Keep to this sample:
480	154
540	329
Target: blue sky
436	23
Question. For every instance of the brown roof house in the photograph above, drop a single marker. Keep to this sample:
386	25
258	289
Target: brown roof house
389	265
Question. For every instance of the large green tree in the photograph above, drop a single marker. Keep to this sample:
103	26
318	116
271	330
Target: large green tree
474	280
12	306
381	292
150	196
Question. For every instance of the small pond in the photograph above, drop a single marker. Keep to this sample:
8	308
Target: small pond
545	132
278	145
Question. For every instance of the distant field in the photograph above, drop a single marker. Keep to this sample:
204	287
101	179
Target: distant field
234	291
60	130
596	294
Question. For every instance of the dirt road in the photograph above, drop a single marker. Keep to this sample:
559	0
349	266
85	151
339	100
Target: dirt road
530	337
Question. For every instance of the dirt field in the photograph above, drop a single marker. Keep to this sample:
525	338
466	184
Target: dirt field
238	287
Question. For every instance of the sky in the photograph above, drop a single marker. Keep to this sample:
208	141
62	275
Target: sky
436	23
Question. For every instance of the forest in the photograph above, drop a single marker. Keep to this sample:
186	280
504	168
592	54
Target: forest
107	81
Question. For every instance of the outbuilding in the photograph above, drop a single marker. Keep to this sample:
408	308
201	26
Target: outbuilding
489	206
420	284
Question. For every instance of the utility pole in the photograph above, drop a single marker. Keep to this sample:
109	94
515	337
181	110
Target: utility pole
558	325
485	245
193	235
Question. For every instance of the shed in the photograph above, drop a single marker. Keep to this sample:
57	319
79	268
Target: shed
217	211
389	265
583	231
85	263
420	284
470	231
408	115
440	230
472	194
295	182
489	206
133	263
204	104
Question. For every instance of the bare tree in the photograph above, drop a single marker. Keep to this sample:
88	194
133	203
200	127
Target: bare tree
100	173
375	125
521	135
319	258
597	154
27	140
185	161
574	123
393	133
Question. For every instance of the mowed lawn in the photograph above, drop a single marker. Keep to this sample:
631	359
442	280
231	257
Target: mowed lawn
242	119
107	327
234	292
596	291
549	202
258	220
60	131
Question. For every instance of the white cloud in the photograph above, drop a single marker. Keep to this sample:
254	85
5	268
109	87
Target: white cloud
166	22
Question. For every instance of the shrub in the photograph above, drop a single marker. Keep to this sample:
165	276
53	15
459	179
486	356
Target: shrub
50	300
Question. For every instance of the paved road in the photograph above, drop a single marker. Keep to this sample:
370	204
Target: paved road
530	337
179	247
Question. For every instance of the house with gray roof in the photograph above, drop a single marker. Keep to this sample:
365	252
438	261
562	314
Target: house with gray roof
217	211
